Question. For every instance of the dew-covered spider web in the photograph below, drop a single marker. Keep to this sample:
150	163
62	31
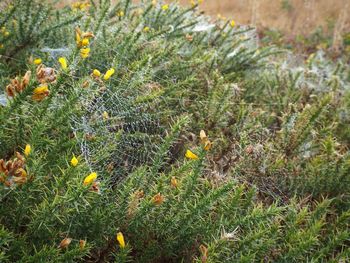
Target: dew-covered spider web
116	135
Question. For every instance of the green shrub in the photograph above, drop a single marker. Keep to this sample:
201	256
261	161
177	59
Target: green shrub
85	156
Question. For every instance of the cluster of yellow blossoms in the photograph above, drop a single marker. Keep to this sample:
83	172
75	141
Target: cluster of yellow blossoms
82	40
4	31
109	73
82	6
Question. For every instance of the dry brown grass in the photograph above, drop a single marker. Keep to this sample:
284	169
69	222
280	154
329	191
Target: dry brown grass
303	18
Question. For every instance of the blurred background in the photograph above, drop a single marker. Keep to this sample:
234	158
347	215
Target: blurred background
301	24
292	16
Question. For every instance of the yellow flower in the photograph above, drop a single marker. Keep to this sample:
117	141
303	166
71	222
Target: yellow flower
232	23
37	61
191	155
165	7
146	29
120	239
6	33
109	74
96	73
27	150
40	93
74	162
120	13
63	63
84	52
80	5
90	178
85	42
21	172
105	115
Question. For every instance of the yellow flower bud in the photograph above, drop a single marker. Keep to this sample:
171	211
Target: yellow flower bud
40	93
85	42
74	162
120	238
109	74
191	155
105	115
84	52
120	13
63	63
90	178
96	73
37	61
27	150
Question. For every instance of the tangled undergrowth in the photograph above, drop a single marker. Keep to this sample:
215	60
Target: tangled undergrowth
149	133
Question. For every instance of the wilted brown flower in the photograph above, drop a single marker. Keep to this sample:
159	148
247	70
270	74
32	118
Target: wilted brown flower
249	149
158	199
10	90
173	182
45	74
12	171
19	180
95	187
65	243
204	252
87	35
86	84
189	38
17	84
207	144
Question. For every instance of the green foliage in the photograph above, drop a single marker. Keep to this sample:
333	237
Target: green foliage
274	187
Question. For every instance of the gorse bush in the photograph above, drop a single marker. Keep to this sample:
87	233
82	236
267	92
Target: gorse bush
145	132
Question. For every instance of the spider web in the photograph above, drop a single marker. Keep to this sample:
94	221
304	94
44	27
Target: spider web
127	138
